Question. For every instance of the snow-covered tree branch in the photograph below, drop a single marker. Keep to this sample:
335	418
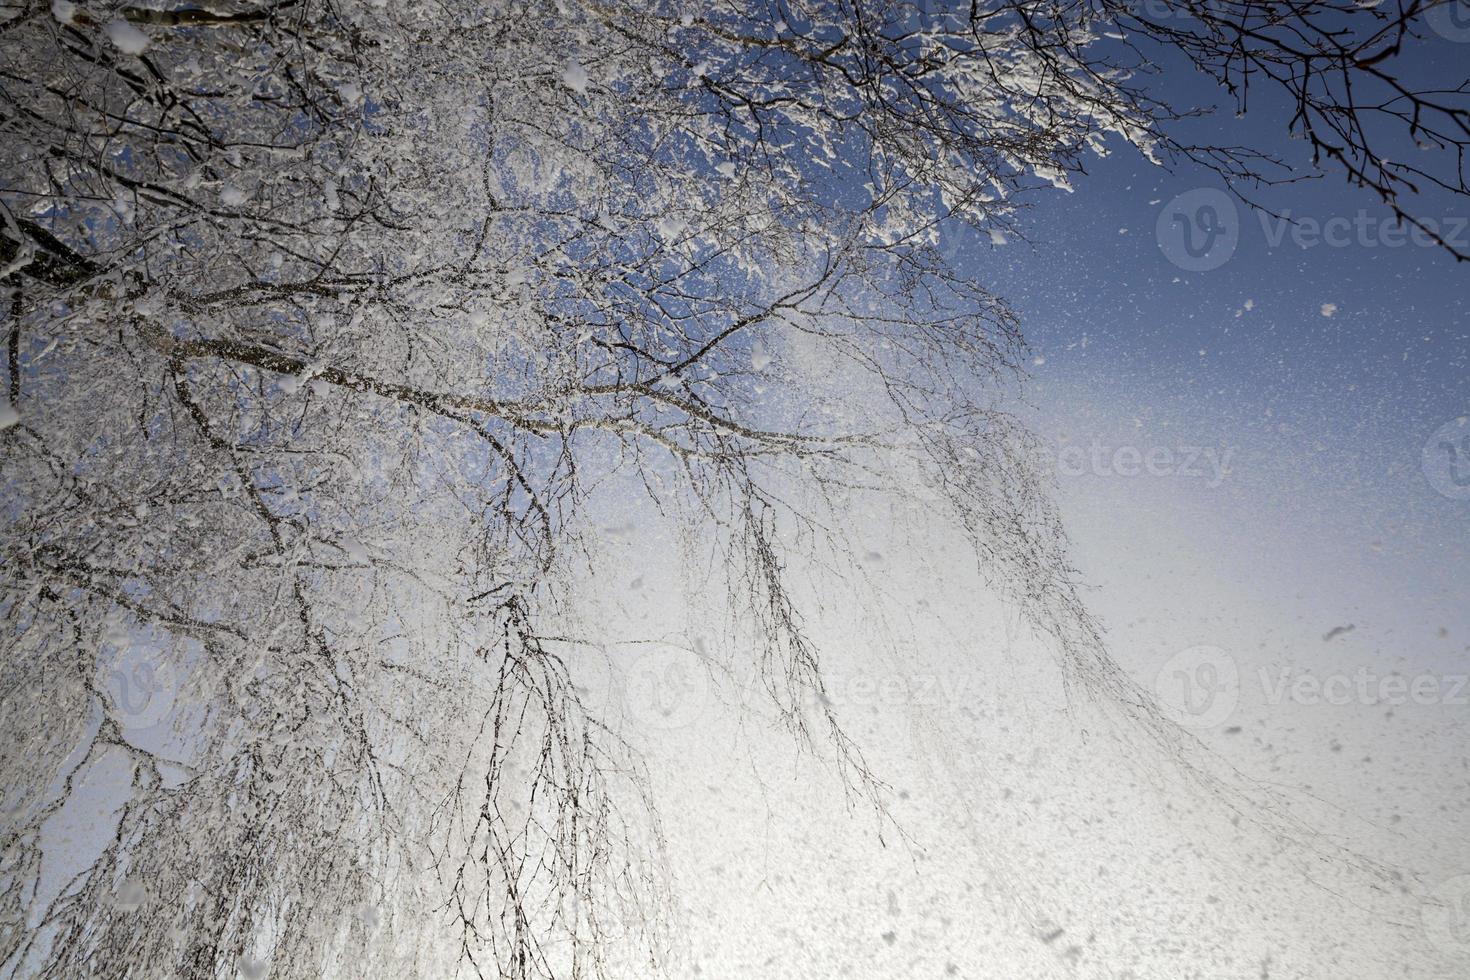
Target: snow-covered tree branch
324	318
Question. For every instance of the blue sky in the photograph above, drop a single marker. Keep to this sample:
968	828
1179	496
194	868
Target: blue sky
1326	417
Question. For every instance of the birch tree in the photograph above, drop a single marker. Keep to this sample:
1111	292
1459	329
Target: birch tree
323	317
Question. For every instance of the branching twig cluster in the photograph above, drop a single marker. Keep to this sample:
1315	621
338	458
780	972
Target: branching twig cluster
319	313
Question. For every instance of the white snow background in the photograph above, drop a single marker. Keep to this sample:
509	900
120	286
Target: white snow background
1035	835
1047	839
